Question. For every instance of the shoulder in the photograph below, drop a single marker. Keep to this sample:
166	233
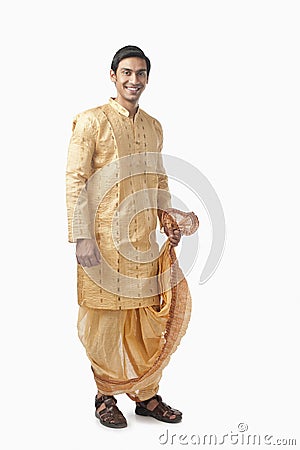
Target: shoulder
90	114
90	118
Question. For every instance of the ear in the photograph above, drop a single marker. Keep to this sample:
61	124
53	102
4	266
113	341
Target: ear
113	77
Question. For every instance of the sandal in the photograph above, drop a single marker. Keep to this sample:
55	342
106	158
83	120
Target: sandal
108	413
155	407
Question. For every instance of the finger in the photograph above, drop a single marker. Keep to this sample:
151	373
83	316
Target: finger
94	261
166	230
86	262
174	238
98	256
80	261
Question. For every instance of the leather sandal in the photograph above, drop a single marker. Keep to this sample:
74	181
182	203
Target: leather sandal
108	413
155	407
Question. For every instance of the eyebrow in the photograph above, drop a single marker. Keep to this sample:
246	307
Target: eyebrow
139	70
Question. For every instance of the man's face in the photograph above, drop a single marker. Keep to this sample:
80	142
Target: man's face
130	79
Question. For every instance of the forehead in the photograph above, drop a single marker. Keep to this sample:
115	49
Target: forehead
133	63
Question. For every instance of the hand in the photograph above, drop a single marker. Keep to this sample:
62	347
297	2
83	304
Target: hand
173	235
87	253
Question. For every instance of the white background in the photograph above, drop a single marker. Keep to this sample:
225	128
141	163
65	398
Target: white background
225	86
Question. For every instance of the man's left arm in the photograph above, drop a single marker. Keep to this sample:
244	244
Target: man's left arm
163	195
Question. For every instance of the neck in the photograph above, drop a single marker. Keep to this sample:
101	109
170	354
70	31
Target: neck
131	107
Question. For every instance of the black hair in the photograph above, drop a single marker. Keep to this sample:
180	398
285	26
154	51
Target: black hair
129	51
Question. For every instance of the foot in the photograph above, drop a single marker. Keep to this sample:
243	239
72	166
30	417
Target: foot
155	407
108	413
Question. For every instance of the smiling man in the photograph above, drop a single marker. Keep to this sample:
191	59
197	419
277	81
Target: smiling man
122	326
130	78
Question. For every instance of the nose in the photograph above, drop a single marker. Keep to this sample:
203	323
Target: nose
134	78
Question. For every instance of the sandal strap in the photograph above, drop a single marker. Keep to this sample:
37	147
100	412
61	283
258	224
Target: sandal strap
109	414
159	407
108	400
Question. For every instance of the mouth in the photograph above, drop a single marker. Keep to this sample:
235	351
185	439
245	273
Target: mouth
132	89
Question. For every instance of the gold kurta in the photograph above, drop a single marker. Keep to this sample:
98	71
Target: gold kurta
115	186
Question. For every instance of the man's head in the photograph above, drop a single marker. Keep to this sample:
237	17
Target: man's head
130	68
130	51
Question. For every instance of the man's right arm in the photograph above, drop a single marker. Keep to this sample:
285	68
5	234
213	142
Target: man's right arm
79	169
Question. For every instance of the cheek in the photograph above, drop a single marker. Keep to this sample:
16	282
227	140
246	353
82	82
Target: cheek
120	84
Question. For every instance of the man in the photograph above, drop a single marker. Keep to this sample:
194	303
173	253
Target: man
123	321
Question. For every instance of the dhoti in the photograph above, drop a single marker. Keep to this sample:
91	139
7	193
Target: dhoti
128	349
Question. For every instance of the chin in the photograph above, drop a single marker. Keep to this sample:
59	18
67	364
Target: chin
132	99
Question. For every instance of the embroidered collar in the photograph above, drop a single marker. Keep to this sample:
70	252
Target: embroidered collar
119	108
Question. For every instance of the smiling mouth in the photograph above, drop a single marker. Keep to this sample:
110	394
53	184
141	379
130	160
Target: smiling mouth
133	90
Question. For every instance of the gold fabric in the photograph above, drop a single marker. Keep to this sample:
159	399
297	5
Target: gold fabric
104	188
135	305
128	350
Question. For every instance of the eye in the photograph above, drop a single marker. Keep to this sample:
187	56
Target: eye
126	72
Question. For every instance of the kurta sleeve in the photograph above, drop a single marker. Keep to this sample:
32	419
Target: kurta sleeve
163	196
79	169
